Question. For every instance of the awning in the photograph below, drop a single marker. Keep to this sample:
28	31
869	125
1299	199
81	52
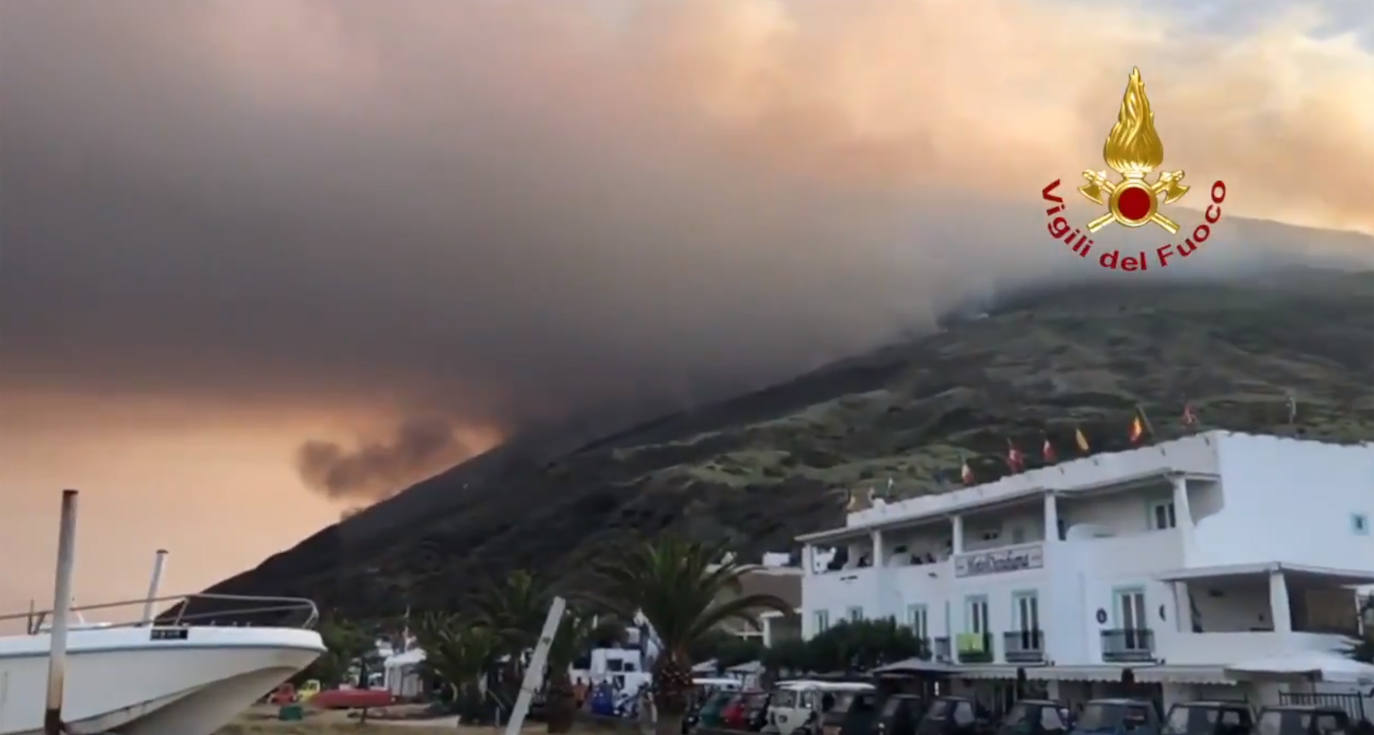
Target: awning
915	666
1295	572
1313	664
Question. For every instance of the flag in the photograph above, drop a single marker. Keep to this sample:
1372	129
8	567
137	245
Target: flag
1047	451
1189	416
966	473
1137	428
1015	460
1082	440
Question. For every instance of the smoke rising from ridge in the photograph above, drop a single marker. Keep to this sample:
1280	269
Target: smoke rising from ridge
503	213
421	447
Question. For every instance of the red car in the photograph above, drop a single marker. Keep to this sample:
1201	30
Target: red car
737	715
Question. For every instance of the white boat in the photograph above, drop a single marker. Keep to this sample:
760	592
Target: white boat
169	677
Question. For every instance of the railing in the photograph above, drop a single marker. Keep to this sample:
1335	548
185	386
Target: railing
975	648
1128	644
228	610
1024	646
939	649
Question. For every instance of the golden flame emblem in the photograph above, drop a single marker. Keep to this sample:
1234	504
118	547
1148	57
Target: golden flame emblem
1133	149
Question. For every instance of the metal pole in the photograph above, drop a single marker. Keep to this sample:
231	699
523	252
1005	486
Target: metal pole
62	600
534	674
158	563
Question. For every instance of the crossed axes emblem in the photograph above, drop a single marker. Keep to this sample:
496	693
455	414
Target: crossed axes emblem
1101	190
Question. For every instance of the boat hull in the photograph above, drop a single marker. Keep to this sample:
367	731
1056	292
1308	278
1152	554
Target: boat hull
150	681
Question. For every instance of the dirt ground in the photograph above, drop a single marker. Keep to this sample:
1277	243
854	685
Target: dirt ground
262	720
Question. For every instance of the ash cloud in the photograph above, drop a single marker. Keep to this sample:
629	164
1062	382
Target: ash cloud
372	471
507	213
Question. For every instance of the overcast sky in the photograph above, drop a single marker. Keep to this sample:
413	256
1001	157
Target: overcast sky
265	260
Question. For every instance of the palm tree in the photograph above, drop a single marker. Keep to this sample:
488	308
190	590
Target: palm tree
457	653
514	610
683	595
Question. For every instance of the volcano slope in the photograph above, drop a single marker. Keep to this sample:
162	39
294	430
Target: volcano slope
761	468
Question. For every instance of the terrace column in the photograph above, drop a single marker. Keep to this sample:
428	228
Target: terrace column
1183	515
877	548
1279	610
957	522
1051	518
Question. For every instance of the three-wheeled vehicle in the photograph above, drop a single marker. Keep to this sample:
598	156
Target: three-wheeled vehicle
1302	720
809	707
1209	718
900	714
1036	717
952	716
1117	717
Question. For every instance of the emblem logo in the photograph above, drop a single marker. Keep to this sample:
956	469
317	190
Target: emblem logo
1133	197
1133	150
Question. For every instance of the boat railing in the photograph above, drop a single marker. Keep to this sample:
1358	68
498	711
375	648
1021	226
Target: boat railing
225	610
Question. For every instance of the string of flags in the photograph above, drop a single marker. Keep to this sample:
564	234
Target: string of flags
1137	431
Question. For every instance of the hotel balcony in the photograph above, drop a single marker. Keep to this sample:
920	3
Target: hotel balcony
974	648
1128	645
1024	646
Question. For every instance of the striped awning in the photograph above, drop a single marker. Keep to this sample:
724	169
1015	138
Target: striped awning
1145	674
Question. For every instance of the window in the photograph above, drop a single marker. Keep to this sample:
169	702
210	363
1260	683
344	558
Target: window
1026	612
976	620
916	620
822	620
1359	524
856	614
1162	515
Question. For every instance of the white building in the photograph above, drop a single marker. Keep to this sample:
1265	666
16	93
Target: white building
1201	564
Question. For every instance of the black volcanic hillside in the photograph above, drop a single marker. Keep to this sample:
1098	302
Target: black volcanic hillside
763	467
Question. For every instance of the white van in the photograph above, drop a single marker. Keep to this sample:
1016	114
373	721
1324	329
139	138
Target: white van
799	707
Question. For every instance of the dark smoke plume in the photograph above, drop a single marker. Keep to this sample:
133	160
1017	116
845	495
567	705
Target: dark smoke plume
421	447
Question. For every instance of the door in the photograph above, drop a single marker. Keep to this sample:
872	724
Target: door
976	615
1025	617
1130	611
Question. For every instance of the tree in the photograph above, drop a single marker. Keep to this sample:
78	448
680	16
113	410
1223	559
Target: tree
458	653
514	610
683	595
862	645
345	642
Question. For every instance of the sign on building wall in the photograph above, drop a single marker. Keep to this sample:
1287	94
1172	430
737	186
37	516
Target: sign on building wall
996	561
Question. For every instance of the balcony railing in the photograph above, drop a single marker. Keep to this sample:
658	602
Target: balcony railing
1129	644
939	649
975	648
1024	646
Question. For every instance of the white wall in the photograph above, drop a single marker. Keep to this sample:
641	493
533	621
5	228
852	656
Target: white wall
1235	606
1271	484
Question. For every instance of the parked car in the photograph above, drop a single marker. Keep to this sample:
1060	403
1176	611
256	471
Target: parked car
1117	717
900	714
952	716
863	714
746	708
1209	718
1036	717
712	712
1302	720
